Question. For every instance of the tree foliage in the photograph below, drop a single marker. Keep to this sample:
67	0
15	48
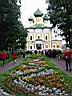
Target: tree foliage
22	34
60	12
10	26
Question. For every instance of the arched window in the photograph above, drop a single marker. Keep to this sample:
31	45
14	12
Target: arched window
30	47
55	35
54	31
30	37
38	37
53	46
46	37
57	46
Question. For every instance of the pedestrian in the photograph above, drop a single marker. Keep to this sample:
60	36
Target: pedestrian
4	56
14	56
68	57
23	54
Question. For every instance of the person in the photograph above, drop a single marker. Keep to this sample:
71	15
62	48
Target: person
14	56
4	56
0	57
68	56
23	54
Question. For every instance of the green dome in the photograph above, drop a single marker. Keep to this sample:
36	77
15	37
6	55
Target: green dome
30	18
45	17
47	1
38	13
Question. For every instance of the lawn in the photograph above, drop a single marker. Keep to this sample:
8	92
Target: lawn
6	61
49	65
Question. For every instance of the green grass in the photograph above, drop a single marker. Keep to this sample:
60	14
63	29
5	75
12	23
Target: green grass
4	74
23	94
6	61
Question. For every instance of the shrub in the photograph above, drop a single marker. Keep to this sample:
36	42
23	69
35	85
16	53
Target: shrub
54	53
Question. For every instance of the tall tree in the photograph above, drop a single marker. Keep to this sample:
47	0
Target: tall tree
10	26
22	34
60	12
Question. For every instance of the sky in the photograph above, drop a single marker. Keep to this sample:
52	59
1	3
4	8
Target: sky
28	7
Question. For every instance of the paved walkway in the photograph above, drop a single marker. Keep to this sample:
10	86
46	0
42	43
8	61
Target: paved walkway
61	64
10	65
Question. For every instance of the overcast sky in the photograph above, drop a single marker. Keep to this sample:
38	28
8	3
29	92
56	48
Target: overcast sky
28	7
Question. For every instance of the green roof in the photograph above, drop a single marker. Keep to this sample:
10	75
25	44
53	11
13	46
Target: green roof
38	13
42	27
47	1
38	25
30	18
38	40
45	17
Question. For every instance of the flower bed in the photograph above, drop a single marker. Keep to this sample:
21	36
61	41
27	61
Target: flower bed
38	62
36	80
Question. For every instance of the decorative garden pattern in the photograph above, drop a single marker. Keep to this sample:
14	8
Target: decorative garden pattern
36	79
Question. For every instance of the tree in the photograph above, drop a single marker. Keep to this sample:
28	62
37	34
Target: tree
22	36
60	12
10	26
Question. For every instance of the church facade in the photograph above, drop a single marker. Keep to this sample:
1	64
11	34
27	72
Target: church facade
40	34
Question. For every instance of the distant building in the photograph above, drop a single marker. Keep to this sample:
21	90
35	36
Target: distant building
40	35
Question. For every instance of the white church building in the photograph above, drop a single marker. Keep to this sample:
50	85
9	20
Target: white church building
40	35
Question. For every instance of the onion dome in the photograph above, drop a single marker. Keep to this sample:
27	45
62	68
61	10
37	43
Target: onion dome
38	13
45	17
46	1
30	18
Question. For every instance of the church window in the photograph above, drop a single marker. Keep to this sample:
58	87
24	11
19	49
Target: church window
57	46
30	47
38	37
38	19
30	37
46	38
55	35
53	46
54	31
46	46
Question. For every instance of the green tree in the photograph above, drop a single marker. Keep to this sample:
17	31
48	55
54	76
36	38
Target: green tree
21	36
10	26
60	12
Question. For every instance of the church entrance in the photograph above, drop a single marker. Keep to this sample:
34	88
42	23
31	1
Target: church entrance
38	46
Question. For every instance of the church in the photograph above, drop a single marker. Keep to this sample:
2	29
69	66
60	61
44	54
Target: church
40	35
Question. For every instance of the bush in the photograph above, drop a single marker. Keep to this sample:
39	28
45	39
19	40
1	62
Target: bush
28	52
59	53
8	53
54	53
19	52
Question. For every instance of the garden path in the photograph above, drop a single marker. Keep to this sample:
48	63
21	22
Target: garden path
61	64
10	65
